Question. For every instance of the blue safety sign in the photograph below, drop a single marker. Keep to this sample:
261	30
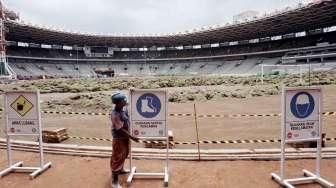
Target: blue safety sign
148	105
302	105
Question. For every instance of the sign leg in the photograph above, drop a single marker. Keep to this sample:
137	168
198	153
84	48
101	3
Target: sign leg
130	176
10	169
166	177
23	108
9	151
40	170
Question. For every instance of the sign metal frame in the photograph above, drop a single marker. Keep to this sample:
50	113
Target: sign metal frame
309	176
18	166
133	172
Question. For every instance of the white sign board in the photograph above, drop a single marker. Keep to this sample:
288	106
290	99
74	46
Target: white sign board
301	121
22	113
148	113
302	113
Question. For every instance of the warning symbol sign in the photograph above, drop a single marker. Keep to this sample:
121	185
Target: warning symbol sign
302	113
21	105
148	113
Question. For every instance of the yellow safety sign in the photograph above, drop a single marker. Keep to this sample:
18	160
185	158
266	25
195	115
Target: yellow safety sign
21	105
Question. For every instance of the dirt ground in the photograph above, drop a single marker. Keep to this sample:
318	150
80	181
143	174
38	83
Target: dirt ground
209	128
71	172
94	172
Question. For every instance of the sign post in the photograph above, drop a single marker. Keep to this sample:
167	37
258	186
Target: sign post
23	118
149	121
301	122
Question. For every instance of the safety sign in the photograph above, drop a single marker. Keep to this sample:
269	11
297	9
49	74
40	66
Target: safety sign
21	105
22	113
149	121
148	105
302	112
148	113
23	118
301	122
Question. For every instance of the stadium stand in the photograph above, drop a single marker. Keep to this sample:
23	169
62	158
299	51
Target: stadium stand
306	34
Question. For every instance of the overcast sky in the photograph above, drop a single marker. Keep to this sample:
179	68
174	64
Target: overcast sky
137	16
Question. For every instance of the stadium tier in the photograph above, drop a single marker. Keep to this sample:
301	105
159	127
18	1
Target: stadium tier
303	35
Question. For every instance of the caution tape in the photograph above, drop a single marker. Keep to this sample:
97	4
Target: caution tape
329	113
179	114
76	113
176	115
223	116
83	138
238	115
187	114
188	143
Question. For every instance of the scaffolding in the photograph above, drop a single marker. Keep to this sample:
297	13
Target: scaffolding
5	71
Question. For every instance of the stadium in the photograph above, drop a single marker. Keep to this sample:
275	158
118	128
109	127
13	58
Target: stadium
287	37
224	96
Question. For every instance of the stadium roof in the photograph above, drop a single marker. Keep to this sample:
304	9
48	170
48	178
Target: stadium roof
315	15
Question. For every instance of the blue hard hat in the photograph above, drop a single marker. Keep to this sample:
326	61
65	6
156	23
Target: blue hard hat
118	97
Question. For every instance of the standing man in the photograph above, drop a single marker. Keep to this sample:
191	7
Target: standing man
121	136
